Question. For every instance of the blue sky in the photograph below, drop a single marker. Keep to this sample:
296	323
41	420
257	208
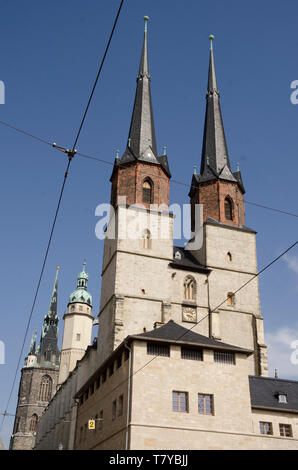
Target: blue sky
49	56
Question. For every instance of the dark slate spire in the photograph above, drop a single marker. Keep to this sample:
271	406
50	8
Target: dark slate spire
215	158
141	142
141	138
47	351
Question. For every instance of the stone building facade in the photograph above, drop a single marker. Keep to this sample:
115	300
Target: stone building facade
180	359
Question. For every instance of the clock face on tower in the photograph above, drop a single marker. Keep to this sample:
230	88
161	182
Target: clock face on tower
189	314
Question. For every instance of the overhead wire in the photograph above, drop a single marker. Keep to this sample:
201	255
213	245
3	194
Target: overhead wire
71	154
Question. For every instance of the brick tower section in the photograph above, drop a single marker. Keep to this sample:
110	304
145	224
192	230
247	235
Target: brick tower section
128	181
212	195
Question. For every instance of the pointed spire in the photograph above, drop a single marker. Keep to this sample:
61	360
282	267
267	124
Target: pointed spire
53	305
142	132
214	153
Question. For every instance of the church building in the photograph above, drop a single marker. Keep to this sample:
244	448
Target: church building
39	378
180	360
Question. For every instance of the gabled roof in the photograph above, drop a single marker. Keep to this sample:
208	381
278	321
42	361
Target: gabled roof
264	393
184	259
171	332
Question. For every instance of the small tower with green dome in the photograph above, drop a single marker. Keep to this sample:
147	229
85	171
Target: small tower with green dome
81	295
78	321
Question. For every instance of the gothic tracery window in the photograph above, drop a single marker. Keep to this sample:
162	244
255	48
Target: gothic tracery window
189	288
45	391
147	192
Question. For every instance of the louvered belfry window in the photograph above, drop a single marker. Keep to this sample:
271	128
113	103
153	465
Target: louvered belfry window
147	192
228	209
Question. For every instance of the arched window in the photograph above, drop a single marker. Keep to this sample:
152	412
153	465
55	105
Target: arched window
148	191
45	391
189	288
229	257
146	239
228	208
231	299
33	423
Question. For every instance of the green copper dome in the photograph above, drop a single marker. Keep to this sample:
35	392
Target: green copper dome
81	294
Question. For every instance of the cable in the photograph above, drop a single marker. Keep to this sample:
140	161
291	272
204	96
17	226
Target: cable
24	132
37	290
98	74
70	156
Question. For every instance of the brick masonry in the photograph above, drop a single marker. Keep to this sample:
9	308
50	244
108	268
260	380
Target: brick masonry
128	182
212	195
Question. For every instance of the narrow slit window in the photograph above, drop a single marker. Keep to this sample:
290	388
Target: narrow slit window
228	209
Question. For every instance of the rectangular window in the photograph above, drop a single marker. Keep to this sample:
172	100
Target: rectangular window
111	370
158	349
285	430
205	404
104	376
180	401
86	395
96	422
224	357
126	354
92	389
120	405
78	337
114	410
266	428
97	382
193	354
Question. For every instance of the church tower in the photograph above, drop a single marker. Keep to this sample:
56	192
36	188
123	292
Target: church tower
217	187
140	175
132	297
78	322
229	246
38	378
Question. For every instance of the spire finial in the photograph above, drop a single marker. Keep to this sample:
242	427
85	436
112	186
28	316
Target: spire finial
117	153
84	264
146	19
195	169
237	166
164	149
211	39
